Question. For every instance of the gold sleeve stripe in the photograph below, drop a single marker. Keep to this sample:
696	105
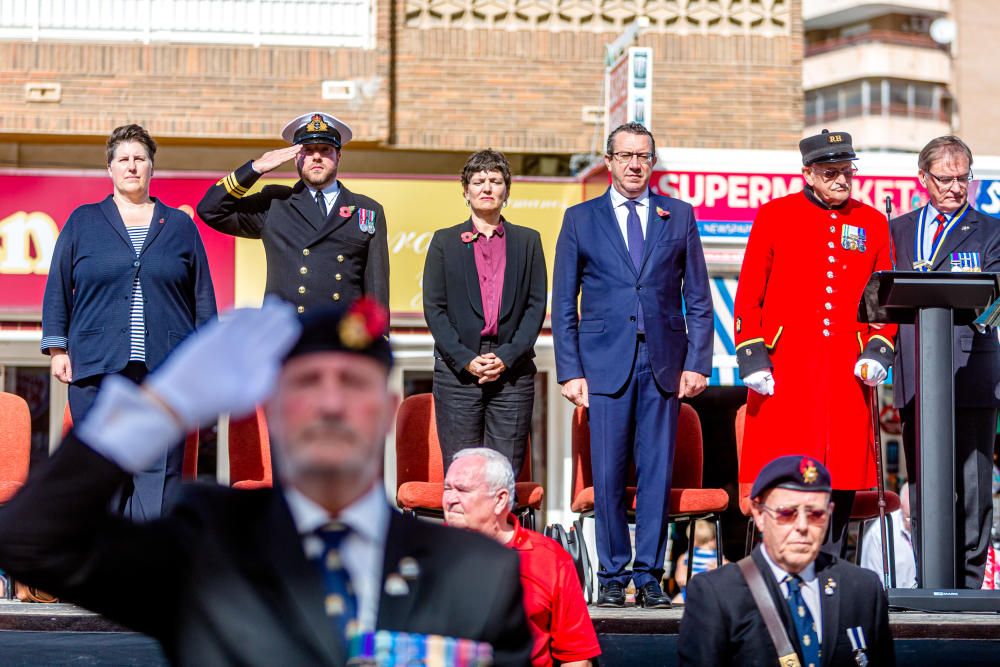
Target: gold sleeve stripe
883	338
774	341
861	343
232	186
749	342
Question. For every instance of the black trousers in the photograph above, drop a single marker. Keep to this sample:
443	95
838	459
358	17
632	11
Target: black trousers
975	431
841	519
143	498
495	415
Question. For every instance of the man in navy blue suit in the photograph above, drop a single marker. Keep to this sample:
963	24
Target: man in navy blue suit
631	351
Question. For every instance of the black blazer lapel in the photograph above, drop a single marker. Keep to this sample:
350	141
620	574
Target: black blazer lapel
959	237
159	221
470	271
512	271
114	219
397	605
334	221
904	249
299	580
829	605
606	220
306	206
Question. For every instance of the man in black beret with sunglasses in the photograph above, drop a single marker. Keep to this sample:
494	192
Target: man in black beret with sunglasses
323	242
318	570
830	612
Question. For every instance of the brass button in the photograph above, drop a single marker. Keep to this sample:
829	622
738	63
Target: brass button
826	322
832	259
830	245
303	270
305	251
336	296
301	309
833	215
340	258
338	276
832	229
828	305
829	274
302	289
826	332
829	290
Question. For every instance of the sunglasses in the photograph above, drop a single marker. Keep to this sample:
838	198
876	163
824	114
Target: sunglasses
788	515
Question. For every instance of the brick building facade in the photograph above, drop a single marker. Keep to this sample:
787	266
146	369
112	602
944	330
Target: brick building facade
437	79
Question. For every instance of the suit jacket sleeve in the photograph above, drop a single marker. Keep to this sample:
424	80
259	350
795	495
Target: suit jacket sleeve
565	291
748	307
377	264
704	635
58	535
533	315
57	304
446	336
204	290
227	208
698	305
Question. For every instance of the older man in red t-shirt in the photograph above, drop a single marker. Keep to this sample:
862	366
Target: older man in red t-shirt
478	495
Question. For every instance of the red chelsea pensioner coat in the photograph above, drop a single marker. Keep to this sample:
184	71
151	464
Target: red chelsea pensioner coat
803	274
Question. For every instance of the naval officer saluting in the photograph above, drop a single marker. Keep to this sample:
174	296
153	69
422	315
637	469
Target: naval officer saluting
323	242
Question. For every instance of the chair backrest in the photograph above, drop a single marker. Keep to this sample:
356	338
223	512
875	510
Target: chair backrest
15	444
744	487
688	452
249	451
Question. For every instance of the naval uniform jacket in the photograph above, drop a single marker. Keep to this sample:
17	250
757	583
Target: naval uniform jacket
722	626
222	579
310	261
976	355
805	268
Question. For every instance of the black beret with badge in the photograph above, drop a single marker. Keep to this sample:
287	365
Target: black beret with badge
317	128
359	328
827	147
796	472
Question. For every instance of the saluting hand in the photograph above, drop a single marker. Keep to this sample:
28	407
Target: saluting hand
271	160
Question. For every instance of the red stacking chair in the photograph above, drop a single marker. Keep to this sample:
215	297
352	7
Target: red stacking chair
189	468
865	507
689	502
249	452
420	470
15	444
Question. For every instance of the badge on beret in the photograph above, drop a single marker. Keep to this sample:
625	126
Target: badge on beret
317	124
365	320
366	220
808	470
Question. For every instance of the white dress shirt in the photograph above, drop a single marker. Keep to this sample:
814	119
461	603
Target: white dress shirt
809	588
621	211
364	547
330	194
871	551
932	225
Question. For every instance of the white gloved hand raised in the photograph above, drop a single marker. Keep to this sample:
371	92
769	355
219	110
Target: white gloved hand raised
228	366
871	372
761	382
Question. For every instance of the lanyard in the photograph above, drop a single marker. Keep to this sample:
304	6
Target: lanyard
923	263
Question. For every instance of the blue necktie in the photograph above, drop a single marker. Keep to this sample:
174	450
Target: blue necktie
340	602
805	627
636	245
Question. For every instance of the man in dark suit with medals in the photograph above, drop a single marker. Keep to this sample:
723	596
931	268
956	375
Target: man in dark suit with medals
323	242
315	571
949	235
826	611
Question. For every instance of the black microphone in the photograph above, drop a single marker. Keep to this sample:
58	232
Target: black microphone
888	217
888	207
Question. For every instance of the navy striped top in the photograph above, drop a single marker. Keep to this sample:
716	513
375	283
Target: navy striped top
137	318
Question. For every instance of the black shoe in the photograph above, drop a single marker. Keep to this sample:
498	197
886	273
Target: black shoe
651	597
612	595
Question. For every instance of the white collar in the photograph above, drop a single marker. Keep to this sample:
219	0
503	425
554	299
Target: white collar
807	575
367	516
617	198
330	191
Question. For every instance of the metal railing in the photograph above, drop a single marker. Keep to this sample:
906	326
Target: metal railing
327	23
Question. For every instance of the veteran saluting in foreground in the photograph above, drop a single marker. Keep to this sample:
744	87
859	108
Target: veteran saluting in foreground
323	242
799	345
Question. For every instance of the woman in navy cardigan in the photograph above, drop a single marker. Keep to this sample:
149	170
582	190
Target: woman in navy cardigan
129	280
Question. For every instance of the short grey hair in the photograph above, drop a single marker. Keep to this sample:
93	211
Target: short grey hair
940	147
630	128
497	471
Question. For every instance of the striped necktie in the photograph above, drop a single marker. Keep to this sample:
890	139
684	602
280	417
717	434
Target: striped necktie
805	627
941	223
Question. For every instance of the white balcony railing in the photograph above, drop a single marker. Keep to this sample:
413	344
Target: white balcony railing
327	23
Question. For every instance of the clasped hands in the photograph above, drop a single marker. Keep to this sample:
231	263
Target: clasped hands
487	367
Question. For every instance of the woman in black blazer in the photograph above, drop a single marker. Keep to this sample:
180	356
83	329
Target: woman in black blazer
485	289
129	280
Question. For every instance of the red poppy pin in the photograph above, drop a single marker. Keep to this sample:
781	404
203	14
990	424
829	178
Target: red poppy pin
346	211
161	221
663	213
468	238
364	321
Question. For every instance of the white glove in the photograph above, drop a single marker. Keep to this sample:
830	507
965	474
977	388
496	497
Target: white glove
871	372
228	366
761	382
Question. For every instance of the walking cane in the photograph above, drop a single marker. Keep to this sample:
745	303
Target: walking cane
883	528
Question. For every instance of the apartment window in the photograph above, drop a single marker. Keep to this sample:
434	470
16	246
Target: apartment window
877	97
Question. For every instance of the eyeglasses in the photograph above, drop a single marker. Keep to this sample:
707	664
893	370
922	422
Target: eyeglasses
787	515
948	181
624	157
831	174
